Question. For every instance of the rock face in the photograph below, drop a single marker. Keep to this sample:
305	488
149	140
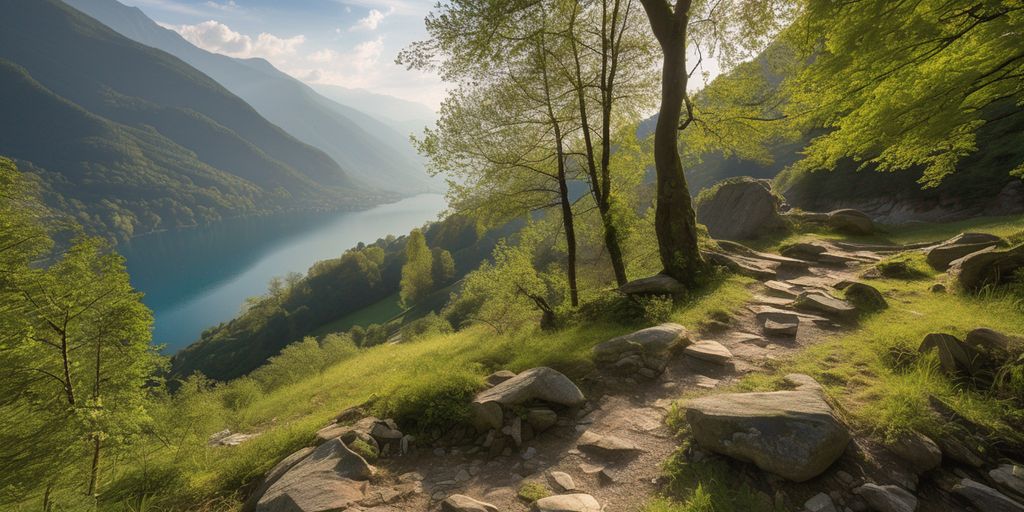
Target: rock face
658	284
887	498
567	503
460	503
793	434
740	209
854	222
330	478
987	266
940	256
983	497
647	348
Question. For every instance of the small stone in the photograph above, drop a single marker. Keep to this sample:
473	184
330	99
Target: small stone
782	328
498	377
563	481
530	453
541	419
937	288
887	498
462	475
845	477
460	503
708	350
820	502
591	469
566	503
604	444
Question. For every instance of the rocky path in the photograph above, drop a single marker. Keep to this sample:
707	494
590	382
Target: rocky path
615	447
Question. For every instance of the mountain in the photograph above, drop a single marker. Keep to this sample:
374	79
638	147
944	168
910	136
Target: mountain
130	139
408	117
374	152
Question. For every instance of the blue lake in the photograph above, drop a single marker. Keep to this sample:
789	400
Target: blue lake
197	278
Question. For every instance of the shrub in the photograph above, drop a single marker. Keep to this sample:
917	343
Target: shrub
432	402
365	450
428	325
657	308
241	393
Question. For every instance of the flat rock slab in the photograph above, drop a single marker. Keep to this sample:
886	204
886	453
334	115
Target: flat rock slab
825	304
987	266
461	503
567	503
708	350
783	289
751	267
1009	477
942	255
563	481
330	478
601	444
986	498
765	313
782	328
793	434
887	498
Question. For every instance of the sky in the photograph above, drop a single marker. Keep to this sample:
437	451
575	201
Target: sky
351	43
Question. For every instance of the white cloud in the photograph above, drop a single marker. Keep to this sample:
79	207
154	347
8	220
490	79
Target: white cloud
230	5
372	19
325	55
219	38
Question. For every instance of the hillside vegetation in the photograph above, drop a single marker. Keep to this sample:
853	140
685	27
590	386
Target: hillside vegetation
128	139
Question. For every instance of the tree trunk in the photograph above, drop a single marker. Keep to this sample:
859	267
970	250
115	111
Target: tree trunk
674	221
570	236
94	472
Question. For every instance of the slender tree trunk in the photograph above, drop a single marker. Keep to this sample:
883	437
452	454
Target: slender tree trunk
94	471
600	185
674	221
565	201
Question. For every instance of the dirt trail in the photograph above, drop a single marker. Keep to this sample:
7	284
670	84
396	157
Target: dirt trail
634	411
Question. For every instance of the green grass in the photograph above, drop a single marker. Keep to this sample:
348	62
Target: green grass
376	313
706	486
421	383
533	491
1006	227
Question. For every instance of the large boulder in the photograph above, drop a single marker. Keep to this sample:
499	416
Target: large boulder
330	478
739	209
658	284
864	297
987	266
536	385
793	434
854	222
941	255
647	348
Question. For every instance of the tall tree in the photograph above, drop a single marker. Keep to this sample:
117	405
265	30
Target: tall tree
906	84
76	363
727	29
503	132
417	278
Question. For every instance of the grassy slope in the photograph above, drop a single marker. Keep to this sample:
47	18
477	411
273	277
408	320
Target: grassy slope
290	416
876	396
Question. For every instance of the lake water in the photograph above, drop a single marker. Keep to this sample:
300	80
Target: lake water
197	278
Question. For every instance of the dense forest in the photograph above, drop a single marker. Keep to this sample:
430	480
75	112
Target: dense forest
571	234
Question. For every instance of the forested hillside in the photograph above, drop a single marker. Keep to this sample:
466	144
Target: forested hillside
370	150
186	151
